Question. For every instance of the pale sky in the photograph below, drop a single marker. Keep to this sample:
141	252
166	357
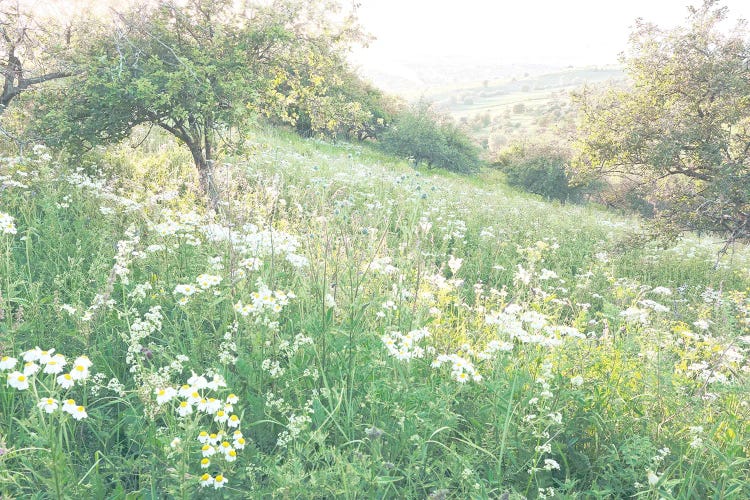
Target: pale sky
554	32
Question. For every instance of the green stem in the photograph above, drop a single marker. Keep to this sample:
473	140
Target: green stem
506	426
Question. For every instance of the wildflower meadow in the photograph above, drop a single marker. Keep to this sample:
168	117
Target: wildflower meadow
348	326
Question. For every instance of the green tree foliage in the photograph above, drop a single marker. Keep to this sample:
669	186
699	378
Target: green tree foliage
682	127
419	133
332	100
541	169
197	69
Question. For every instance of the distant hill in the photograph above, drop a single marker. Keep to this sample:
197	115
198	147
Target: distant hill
497	111
413	78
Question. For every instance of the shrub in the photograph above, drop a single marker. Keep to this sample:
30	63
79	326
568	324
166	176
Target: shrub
540	169
425	136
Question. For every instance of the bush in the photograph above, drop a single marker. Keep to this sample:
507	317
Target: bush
540	169
425	136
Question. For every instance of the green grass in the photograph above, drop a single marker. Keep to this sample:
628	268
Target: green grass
580	370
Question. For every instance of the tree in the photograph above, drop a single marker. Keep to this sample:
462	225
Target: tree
196	69
33	50
682	126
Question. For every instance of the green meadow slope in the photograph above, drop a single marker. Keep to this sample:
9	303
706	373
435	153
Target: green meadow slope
350	327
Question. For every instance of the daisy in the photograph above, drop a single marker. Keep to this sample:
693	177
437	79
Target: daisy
47	404
234	421
198	382
184	409
205	463
45	356
206	480
7	363
79	372
203	437
79	413
219	481
212	406
69	406
55	364
83	361
18	380
65	380
32	354
239	443
186	290
194	398
31	368
164	395
218	381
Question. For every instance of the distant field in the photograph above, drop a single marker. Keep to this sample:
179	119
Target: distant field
498	111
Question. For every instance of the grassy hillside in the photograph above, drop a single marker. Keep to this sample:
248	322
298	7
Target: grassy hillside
366	330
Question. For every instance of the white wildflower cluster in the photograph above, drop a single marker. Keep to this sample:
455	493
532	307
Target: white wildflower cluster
220	438
546	274
68	309
635	315
443	284
140	291
64	203
251	242
711	360
652	477
100	189
264	302
405	347
38	363
228	347
543	418
287	350
251	263
99	301
273	367
522	275
453	229
126	250
696	434
7	224
653	305
711	296
529	327
295	425
380	265
454	263
7	181
139	330
548	492
184	226
462	369
205	282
